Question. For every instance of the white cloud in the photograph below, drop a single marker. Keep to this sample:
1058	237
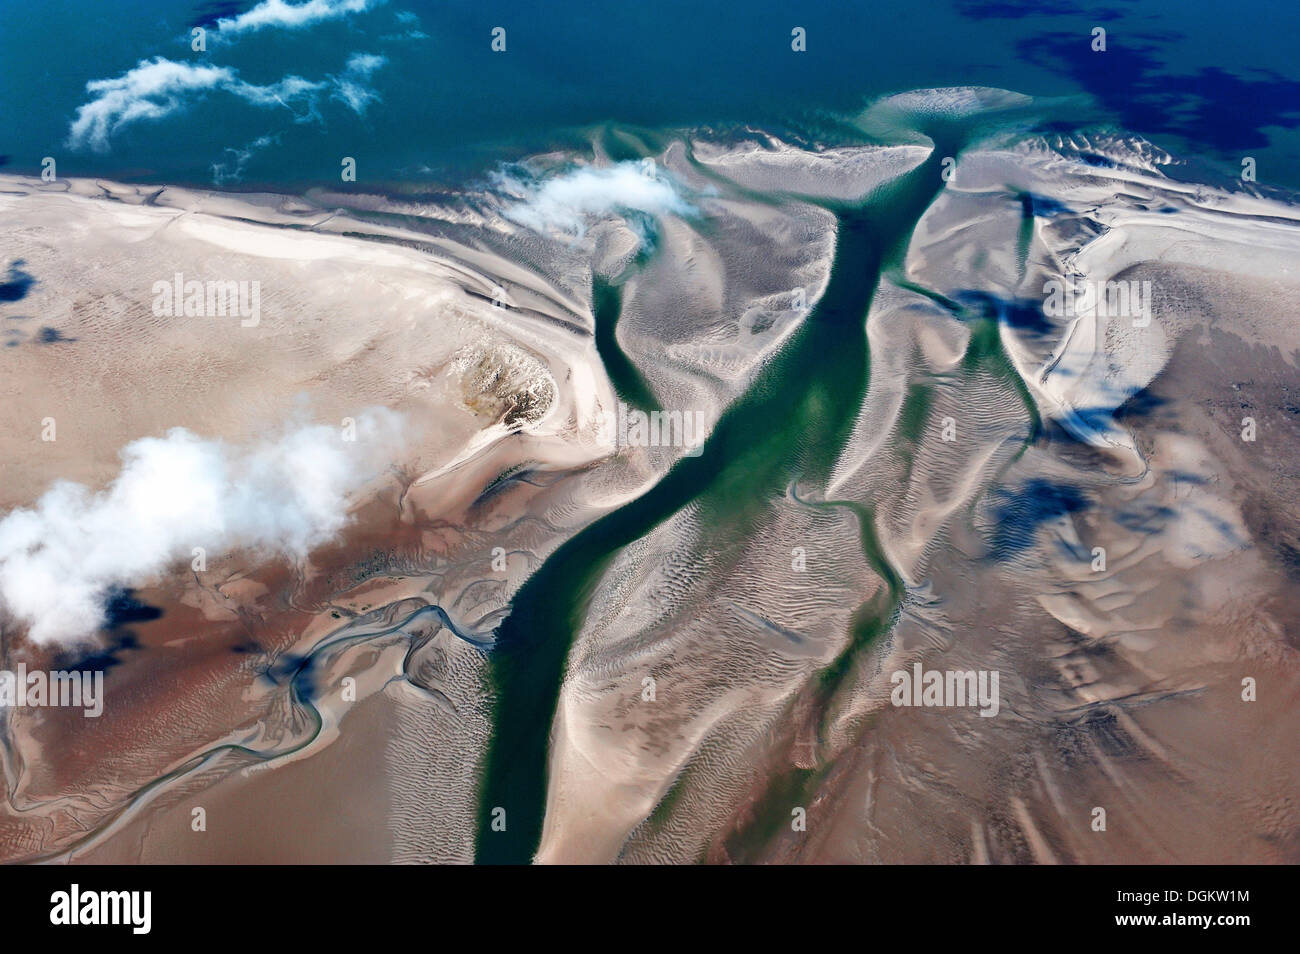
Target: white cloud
277	13
283	92
154	89
233	170
567	201
284	496
351	88
412	24
363	64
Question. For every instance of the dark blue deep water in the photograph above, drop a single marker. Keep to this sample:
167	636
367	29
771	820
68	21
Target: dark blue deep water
428	103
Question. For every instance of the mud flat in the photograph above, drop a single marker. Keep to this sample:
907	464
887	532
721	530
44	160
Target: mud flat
1063	498
478	336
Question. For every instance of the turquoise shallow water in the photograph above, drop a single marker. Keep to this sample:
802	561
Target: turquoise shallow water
1198	77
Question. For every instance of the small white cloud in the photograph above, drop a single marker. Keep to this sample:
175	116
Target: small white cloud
566	202
351	88
153	90
287	92
157	88
277	13
412	32
363	64
232	168
60	559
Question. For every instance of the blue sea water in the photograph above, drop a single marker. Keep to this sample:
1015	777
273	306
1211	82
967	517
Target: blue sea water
427	102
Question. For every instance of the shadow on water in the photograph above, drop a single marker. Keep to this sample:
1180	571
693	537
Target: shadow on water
102	658
1141	406
18	284
207	14
299	671
1021	9
1019	513
1022	314
123	607
49	335
1214	107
